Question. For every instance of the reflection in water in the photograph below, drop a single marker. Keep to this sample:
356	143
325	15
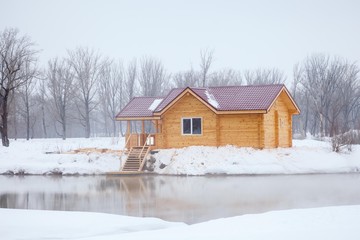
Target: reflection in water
175	198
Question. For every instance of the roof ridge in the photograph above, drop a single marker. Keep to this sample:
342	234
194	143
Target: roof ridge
252	85
148	97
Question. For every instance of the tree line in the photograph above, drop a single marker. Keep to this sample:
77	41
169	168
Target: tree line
78	95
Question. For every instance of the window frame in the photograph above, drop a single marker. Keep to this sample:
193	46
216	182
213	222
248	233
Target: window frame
191	126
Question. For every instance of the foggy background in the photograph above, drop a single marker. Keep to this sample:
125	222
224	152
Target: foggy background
145	48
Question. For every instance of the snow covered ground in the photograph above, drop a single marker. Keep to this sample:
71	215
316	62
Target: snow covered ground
317	223
40	156
307	156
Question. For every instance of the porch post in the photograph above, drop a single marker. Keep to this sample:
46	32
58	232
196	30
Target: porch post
128	127
127	135
142	126
143	132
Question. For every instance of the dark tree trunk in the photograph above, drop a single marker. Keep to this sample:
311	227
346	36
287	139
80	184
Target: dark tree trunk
43	121
4	119
64	129
87	121
114	128
27	121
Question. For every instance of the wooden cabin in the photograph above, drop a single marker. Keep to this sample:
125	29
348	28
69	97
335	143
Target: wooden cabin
258	116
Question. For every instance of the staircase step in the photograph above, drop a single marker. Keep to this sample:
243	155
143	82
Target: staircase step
135	158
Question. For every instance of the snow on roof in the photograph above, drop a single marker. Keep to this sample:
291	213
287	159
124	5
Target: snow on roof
155	103
211	99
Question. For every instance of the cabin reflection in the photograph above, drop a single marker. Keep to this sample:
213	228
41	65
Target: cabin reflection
179	198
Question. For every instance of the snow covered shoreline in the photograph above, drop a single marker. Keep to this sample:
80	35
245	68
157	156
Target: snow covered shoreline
305	157
340	222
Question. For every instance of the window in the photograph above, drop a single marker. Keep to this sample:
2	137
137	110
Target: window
191	126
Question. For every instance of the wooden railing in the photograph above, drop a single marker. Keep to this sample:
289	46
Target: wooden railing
145	143
122	152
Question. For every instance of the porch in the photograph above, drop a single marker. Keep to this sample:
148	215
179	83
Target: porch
141	133
140	139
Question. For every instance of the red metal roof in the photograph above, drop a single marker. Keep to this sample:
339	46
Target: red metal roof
240	98
227	98
138	107
169	98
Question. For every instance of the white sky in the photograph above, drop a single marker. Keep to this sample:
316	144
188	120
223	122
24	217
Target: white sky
244	34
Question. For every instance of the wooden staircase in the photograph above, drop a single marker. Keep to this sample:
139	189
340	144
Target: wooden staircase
136	159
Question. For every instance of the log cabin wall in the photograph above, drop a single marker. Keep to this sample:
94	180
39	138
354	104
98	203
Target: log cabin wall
243	130
187	107
277	124
217	130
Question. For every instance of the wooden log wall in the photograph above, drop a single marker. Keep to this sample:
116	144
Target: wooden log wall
277	124
187	107
241	130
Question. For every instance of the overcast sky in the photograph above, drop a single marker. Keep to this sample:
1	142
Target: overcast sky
243	34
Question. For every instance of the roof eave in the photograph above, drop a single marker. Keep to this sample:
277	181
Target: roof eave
262	111
137	118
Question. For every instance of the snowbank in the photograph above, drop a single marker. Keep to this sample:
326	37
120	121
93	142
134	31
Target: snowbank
307	156
319	223
49	156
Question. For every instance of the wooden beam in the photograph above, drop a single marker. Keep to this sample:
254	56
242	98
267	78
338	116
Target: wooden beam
143	127
156	126
290	130
261	131
217	130
137	118
128	127
276	129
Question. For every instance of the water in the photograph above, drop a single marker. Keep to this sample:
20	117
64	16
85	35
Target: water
175	198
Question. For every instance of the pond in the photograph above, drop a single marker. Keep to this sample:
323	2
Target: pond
179	198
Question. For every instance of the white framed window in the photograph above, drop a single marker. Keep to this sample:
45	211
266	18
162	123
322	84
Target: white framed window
191	126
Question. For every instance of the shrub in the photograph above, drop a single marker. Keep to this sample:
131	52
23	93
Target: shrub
345	140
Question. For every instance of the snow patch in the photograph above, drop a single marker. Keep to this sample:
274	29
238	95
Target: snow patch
155	104
211	99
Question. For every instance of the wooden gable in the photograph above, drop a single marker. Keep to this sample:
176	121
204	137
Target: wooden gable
187	106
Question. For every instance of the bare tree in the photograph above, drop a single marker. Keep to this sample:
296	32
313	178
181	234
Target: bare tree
188	78
13	116
264	76
87	65
26	95
130	80
17	66
61	90
300	121
153	78
331	86
42	100
225	77
206	59
111	93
